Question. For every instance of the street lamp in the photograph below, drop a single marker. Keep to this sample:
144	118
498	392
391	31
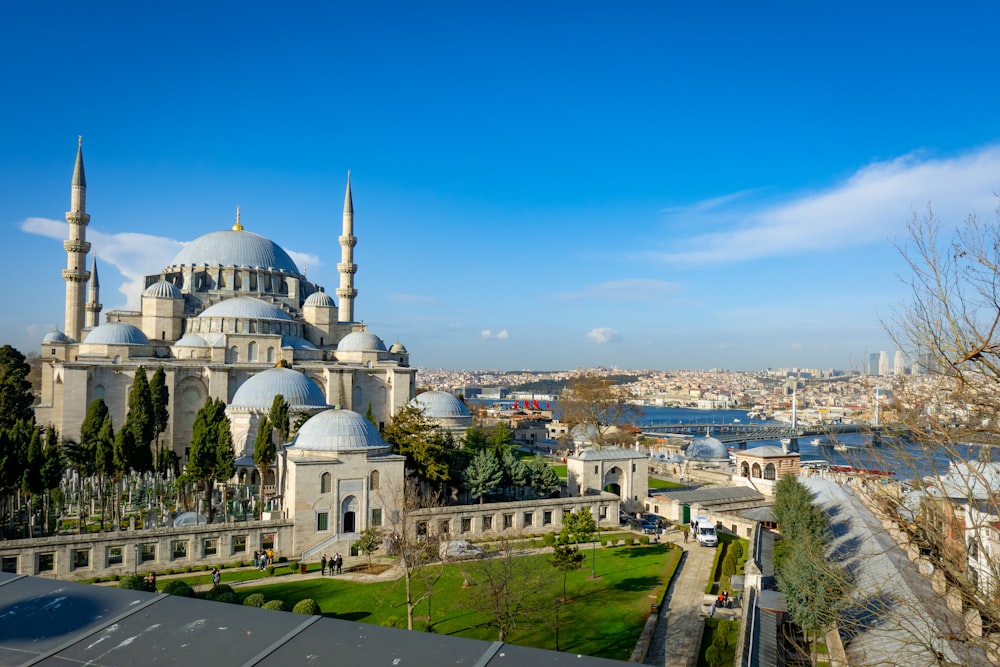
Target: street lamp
558	602
135	563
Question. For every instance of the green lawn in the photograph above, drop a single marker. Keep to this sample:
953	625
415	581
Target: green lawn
603	618
655	483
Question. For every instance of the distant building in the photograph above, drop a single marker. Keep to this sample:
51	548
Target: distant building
883	363
899	363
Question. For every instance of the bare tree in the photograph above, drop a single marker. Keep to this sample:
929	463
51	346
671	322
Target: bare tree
596	405
412	541
506	586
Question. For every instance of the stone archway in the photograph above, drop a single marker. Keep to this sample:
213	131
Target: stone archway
349	515
613	481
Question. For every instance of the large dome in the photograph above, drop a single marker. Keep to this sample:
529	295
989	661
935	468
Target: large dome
298	390
245	307
161	289
440	405
235	248
116	333
338	431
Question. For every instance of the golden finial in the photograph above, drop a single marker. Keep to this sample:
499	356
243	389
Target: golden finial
237	227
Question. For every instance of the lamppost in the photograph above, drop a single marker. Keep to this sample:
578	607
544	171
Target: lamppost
135	563
593	560
558	602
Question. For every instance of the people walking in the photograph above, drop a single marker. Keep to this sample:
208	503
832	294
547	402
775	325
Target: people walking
216	576
322	562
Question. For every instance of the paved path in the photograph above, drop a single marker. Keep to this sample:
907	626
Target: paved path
677	638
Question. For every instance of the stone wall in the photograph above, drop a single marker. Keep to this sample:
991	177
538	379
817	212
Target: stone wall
124	552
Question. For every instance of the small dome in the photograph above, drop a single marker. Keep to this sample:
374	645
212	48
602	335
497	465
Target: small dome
440	405
398	348
318	299
361	341
707	449
56	337
191	340
245	307
296	343
235	248
161	289
116	333
298	390
338	431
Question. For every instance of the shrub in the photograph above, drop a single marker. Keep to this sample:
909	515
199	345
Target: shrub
644	540
170	570
276	605
549	539
229	598
269	571
728	567
604	541
116	577
254	600
132	582
282	559
307	607
188	569
293	566
714	656
629	540
737	548
216	592
179	588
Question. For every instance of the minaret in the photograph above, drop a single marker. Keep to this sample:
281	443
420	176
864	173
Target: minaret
75	274
93	307
347	267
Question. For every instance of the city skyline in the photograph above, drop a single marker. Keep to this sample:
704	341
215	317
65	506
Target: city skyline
535	187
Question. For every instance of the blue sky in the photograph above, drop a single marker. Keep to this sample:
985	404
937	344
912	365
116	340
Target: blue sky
536	185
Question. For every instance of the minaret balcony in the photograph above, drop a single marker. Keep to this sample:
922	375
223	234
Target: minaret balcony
73	245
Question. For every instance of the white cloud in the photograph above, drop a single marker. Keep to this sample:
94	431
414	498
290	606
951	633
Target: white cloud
503	335
874	204
602	335
304	260
629	289
487	334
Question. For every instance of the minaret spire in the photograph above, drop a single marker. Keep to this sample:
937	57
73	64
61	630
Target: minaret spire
75	274
347	267
237	227
93	308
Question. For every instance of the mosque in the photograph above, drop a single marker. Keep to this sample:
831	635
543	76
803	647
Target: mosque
231	305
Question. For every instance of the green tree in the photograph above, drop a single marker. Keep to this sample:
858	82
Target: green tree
264	452
502	438
211	457
141	421
53	467
368	542
483	474
413	435
370	416
475	439
578	526
32	482
15	389
279	418
544	480
515	473
159	397
566	558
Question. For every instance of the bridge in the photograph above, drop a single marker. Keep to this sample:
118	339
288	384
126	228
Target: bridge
730	433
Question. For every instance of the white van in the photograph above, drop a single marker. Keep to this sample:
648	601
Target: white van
704	531
458	550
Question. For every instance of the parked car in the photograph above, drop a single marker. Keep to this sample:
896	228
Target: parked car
642	525
624	518
459	550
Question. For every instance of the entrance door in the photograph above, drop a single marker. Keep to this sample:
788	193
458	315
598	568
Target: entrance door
685	514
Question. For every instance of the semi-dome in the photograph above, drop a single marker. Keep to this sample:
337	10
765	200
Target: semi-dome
235	248
296	343
298	390
440	405
116	333
245	307
397	348
319	299
161	289
707	449
56	337
191	340
361	341
338	431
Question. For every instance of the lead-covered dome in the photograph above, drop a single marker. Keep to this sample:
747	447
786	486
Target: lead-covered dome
338	431
116	333
361	341
161	289
235	248
707	449
298	390
56	337
440	405
319	299
247	308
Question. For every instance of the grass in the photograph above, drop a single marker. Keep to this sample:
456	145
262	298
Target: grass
655	483
603	618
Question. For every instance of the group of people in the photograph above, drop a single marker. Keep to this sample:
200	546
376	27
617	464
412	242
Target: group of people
334	564
724	600
263	558
216	576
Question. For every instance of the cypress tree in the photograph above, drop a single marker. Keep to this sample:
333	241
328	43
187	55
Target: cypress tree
141	421
15	389
264	452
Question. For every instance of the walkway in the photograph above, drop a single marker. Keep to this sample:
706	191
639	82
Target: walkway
677	639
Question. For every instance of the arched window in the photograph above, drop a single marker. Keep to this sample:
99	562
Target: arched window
769	471
325	483
252	351
744	469
373	481
349	512
973	549
755	471
234	355
270	355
